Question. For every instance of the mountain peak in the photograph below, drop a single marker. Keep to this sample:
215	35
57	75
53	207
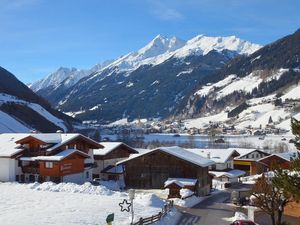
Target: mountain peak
159	45
202	45
159	37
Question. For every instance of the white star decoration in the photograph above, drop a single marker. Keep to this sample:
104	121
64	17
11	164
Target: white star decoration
125	206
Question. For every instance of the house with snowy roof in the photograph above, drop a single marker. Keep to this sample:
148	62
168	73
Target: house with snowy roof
248	161
56	157
175	185
231	176
223	158
107	157
150	169
282	159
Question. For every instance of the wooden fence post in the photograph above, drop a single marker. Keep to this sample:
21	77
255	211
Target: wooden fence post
159	215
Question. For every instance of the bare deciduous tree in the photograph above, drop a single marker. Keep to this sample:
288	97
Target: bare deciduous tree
269	199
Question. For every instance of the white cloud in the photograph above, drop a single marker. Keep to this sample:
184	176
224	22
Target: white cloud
12	5
165	11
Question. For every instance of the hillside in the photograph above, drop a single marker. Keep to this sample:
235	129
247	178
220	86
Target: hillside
21	110
252	89
151	82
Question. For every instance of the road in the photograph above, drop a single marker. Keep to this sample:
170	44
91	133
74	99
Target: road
215	208
210	211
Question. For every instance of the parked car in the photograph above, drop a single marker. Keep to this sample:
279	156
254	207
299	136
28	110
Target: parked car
220	141
292	141
243	222
96	181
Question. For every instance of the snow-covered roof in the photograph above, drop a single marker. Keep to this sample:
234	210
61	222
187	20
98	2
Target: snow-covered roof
230	174
8	147
288	156
113	169
49	138
108	147
58	157
182	182
179	153
244	151
216	155
57	139
65	138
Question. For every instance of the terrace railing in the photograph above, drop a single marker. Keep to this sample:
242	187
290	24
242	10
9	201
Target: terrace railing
157	217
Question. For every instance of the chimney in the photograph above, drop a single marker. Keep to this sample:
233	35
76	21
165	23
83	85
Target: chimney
208	155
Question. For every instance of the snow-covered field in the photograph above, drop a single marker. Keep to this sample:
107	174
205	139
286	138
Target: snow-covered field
67	203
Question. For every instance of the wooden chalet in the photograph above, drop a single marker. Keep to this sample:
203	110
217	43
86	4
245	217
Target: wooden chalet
176	184
279	159
150	169
56	157
107	157
248	161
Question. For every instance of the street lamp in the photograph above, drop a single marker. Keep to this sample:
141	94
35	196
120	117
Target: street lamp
131	195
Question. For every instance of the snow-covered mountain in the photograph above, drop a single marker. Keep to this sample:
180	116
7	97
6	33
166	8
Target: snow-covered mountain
21	110
252	89
163	64
68	76
155	52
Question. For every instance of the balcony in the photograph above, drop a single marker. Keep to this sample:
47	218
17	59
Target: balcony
35	153
30	169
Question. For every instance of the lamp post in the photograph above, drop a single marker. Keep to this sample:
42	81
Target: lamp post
131	195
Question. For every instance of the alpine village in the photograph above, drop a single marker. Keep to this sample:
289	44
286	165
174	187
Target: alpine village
197	130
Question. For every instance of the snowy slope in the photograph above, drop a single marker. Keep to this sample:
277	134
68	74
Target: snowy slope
247	83
156	51
5	98
203	44
208	88
256	116
232	83
294	93
66	75
162	48
69	204
9	124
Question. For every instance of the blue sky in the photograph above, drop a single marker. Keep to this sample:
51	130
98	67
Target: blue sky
38	36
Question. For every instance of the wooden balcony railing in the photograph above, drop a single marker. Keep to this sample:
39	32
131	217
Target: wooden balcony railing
30	169
37	153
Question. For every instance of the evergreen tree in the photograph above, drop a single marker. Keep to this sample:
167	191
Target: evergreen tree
289	180
296	131
270	120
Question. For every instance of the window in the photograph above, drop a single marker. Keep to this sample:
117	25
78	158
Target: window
48	165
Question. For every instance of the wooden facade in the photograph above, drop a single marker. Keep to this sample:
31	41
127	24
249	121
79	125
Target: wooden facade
79	147
151	170
274	161
251	167
69	165
174	190
121	151
109	159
